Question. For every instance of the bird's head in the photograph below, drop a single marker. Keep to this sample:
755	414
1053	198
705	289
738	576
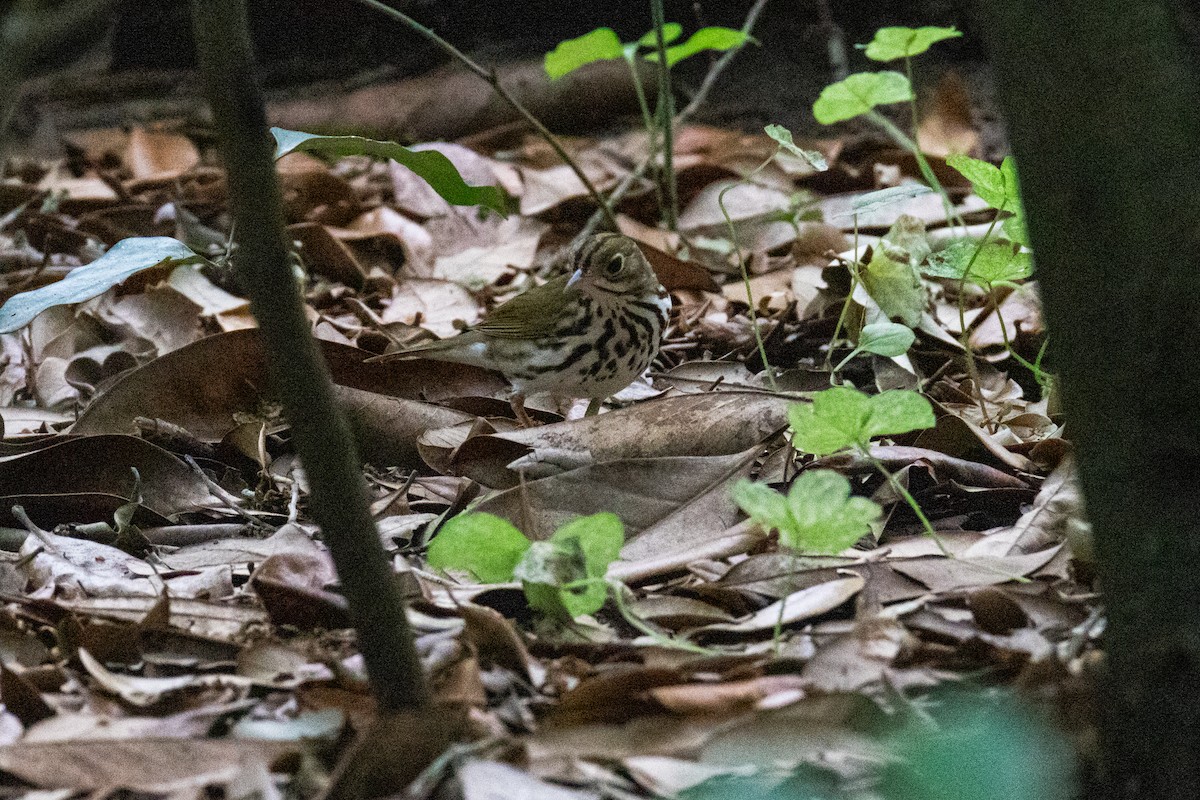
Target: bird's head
611	264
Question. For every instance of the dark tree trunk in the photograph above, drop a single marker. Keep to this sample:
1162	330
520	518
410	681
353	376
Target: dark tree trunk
1103	106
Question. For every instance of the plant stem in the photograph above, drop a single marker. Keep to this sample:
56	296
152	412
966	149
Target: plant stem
338	497
489	75
901	138
908	498
710	79
912	104
965	334
666	116
648	122
837	329
758	340
617	592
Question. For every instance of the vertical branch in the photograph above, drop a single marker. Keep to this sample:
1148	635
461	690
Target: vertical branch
338	498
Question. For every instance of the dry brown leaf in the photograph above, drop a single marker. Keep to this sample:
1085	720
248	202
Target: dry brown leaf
156	156
801	605
718	423
148	765
647	493
947	126
442	307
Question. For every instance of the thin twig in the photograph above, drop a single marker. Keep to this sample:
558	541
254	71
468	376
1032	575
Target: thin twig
719	65
489	75
666	117
622	188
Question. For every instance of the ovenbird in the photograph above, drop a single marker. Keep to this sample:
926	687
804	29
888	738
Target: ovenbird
589	333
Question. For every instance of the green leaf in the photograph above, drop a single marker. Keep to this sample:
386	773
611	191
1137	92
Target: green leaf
833	421
842	417
888	339
858	94
892	43
996	262
578	553
826	519
711	38
996	186
892	277
436	170
547	567
671	32
485	545
898	411
783	137
125	258
762	504
601	44
599	535
1014	228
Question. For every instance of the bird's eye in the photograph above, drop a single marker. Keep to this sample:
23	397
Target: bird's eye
614	266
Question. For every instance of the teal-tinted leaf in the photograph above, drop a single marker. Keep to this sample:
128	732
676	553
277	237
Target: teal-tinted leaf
436	170
983	746
485	545
858	94
712	38
842	417
671	32
826	519
892	43
125	258
996	262
783	137
882	198
898	411
889	339
996	186
762	504
601	44
833	421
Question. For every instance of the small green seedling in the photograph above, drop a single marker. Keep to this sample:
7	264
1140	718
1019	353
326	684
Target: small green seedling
602	44
888	339
563	577
861	93
818	515
892	44
988	263
840	419
784	144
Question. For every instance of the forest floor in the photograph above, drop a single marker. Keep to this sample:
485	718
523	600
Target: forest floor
171	619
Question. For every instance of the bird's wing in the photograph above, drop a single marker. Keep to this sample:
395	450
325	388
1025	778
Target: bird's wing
531	314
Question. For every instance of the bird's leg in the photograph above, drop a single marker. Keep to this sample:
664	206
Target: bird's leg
517	402
594	407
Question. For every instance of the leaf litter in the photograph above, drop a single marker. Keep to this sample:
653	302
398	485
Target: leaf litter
172	621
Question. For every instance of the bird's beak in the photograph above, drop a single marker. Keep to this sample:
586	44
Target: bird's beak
574	279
